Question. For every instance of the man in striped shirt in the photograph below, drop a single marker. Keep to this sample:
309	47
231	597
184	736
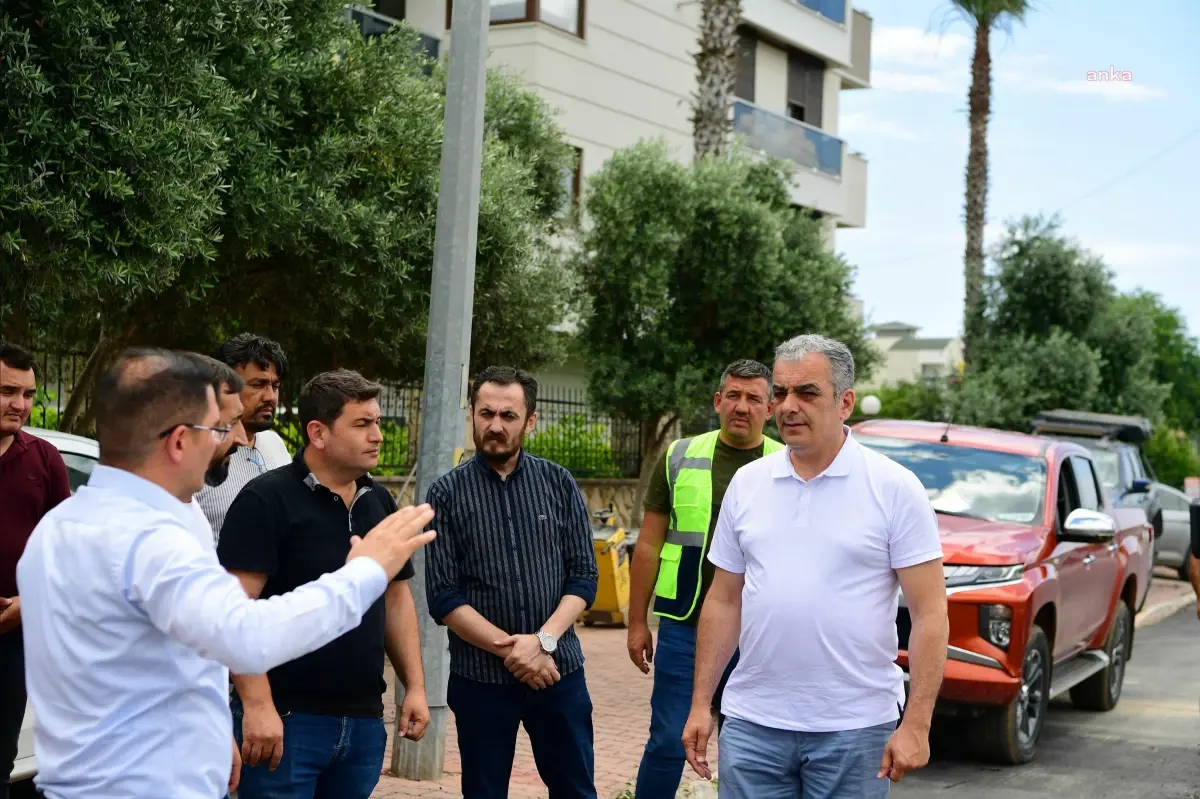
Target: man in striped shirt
261	364
511	570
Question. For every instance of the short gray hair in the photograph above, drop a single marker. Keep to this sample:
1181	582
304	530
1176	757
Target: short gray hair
841	360
746	370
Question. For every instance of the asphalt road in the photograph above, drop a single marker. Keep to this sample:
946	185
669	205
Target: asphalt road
1146	748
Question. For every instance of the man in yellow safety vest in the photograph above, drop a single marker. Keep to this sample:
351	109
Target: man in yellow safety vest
669	562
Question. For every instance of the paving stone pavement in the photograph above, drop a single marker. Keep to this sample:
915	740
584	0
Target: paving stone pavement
621	720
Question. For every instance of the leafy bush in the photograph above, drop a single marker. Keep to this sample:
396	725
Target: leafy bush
583	449
1173	455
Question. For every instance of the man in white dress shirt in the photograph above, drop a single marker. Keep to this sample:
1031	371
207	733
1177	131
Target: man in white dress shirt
131	623
812	547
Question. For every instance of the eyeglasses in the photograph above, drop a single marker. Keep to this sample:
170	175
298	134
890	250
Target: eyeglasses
218	433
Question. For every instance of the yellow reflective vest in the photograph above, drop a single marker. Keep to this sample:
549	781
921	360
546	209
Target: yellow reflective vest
681	560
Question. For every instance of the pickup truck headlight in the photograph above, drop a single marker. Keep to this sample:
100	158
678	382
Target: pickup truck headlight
957	576
995	624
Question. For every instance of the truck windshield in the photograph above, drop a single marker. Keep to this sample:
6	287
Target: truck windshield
963	481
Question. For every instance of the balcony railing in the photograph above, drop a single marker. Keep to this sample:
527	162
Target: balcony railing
782	137
833	10
372	23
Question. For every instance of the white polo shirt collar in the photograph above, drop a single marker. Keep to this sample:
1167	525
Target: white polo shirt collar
839	467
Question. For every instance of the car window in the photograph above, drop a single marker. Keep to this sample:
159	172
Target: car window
1085	483
79	468
1133	465
964	481
1068	494
1108	469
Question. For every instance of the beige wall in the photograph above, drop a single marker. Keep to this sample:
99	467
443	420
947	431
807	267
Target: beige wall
771	77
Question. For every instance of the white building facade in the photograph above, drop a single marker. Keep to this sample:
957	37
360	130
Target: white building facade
622	71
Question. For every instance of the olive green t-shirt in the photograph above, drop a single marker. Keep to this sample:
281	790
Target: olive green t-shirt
726	461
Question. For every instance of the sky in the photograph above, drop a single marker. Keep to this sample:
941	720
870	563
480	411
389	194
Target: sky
1091	150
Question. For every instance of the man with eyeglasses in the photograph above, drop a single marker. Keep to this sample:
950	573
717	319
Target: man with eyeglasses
261	365
131	623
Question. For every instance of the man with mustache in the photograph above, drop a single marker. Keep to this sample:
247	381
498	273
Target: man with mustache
131	624
33	479
261	365
681	509
313	727
515	570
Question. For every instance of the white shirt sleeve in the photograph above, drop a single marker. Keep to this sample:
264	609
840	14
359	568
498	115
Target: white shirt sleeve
913	534
189	597
725	552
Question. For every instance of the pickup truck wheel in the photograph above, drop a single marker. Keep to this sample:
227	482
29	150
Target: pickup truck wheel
1010	734
1102	690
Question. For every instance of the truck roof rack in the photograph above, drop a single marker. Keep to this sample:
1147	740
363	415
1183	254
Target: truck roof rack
1131	429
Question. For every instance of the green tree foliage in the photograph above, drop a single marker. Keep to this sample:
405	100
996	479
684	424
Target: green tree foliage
583	448
686	267
175	174
1059	335
910	400
1173	455
1176	358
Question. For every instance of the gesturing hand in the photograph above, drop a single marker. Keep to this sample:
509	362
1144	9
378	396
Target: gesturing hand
907	750
394	540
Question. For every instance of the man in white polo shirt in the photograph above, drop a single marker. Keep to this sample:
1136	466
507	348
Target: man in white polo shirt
812	547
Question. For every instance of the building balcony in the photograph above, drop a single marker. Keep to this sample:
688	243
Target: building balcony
820	27
829	180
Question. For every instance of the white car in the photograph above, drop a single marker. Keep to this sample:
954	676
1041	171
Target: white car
1175	545
81	455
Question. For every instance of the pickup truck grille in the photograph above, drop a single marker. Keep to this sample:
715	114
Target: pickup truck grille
903	628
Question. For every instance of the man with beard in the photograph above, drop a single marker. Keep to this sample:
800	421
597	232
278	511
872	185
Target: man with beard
682	506
261	365
313	727
227	386
512	570
33	479
130	622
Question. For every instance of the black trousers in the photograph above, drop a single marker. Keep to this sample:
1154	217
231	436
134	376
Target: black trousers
12	705
557	719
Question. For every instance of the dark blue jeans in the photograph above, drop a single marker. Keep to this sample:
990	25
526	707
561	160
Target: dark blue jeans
557	719
670	703
324	757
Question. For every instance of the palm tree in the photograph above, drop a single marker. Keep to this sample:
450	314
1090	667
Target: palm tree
716	75
983	16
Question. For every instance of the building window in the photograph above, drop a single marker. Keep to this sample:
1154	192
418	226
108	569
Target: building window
566	15
572	178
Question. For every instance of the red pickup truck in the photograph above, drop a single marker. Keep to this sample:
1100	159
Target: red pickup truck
1043	576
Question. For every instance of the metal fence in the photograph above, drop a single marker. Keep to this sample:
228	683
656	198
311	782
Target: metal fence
569	430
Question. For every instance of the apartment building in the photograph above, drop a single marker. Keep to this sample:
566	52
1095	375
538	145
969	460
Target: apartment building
909	358
620	71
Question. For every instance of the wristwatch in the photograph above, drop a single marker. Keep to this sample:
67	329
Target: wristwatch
549	642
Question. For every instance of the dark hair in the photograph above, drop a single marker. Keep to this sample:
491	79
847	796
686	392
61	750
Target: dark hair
19	358
325	396
507	376
223	376
247	348
144	393
746	370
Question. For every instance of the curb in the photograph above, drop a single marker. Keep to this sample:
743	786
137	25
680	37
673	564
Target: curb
1163	610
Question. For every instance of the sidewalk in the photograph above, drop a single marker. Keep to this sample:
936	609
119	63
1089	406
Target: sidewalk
621	715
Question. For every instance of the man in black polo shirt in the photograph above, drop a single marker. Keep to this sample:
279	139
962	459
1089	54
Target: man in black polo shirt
314	727
510	571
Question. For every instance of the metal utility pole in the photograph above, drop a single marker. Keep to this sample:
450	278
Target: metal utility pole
447	354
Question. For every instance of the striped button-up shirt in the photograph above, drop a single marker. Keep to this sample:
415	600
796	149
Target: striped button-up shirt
511	549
